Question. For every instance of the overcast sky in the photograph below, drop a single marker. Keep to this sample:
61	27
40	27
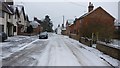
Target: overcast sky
69	8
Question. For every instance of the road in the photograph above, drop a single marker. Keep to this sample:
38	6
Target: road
57	50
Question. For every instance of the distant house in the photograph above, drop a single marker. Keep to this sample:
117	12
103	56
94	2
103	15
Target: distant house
6	18
76	26
117	25
58	30
72	28
63	31
68	24
21	22
36	27
27	23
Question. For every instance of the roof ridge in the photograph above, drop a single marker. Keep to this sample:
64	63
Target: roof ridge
84	15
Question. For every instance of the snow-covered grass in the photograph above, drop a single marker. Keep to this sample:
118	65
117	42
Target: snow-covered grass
109	59
17	49
15	44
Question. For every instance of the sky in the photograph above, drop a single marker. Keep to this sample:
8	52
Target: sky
70	9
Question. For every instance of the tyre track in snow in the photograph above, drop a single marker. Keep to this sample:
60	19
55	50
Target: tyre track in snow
83	58
57	53
60	54
22	57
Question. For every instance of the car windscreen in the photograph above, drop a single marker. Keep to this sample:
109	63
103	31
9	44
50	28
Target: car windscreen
43	33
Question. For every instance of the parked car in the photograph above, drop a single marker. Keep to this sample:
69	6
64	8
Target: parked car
3	36
43	35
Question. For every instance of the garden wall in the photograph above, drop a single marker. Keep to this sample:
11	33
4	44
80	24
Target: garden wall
105	48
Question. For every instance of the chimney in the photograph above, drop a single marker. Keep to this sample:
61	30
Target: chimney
90	7
9	2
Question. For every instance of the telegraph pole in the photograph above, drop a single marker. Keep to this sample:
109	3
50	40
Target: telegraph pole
63	21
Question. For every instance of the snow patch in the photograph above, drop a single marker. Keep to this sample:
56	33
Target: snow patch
111	60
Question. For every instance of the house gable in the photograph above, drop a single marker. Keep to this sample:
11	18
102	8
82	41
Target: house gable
23	12
17	12
98	11
21	15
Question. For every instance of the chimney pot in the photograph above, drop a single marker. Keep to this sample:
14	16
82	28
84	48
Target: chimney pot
90	7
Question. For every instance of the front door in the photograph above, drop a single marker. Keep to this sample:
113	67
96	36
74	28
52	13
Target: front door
10	29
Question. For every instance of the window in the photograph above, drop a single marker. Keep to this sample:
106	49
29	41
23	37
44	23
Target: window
1	14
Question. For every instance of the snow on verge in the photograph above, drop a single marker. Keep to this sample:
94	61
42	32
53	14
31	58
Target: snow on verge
109	59
18	49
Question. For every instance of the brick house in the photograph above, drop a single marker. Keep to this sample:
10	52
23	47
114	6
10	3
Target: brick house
68	26
72	30
36	27
98	15
77	26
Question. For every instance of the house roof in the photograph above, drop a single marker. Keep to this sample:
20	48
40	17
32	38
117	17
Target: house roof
17	12
18	9
34	24
6	8
22	10
70	21
86	14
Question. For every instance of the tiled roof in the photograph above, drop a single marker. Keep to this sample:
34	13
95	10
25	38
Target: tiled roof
5	8
92	12
18	9
34	24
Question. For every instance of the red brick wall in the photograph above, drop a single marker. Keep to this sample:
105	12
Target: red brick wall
77	26
72	28
37	30
67	28
99	16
